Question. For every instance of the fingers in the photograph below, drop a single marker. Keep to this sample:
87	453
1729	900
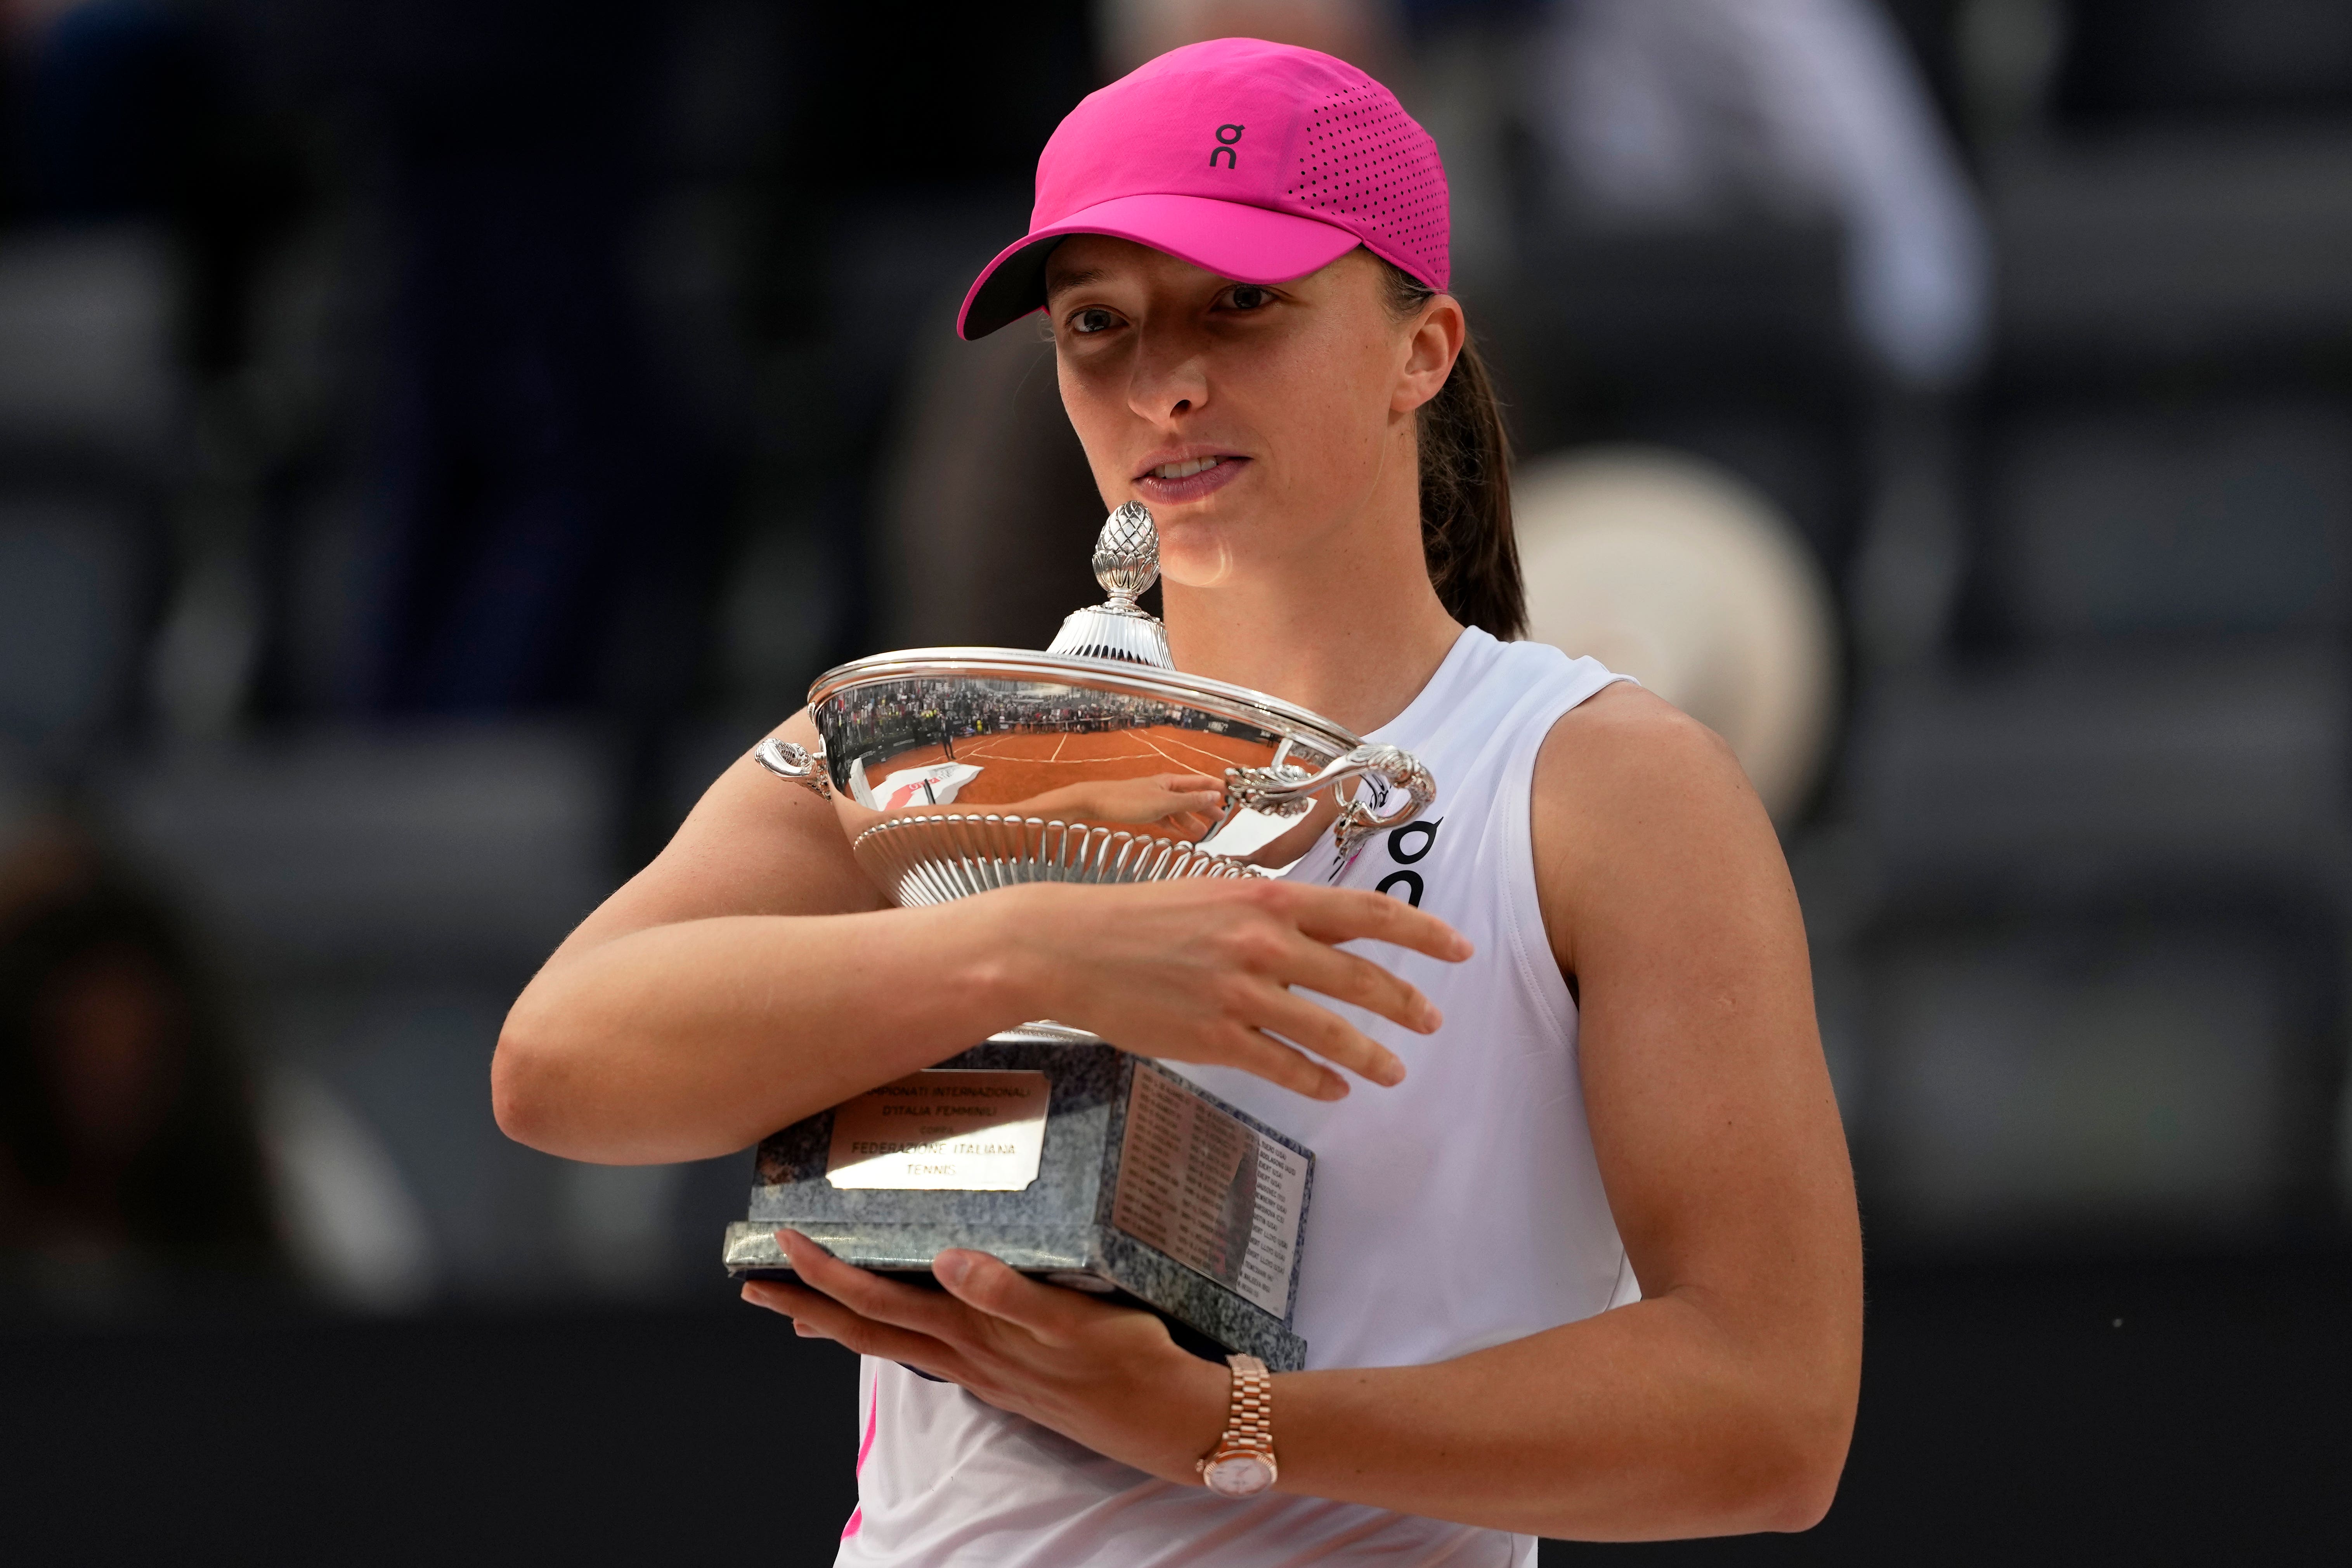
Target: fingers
1346	977
1285	1066
1351	914
1189	793
1211	965
988	1284
881	1317
870	1295
1157	799
1332	1037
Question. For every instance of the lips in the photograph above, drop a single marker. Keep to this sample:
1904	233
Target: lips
1183	479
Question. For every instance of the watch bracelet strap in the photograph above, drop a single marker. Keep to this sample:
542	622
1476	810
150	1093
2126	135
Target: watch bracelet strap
1249	1423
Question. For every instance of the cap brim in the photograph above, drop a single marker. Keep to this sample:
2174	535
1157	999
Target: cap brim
1232	239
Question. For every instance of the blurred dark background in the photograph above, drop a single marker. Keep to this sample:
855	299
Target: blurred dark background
435	439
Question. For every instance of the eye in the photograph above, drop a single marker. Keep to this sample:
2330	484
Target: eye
1247	296
1090	320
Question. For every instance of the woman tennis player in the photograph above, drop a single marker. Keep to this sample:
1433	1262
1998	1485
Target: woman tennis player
1582	1259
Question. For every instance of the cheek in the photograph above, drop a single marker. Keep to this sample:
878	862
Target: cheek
1335	383
1328	426
1099	420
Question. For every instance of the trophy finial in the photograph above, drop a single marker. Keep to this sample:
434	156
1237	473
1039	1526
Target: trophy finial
1127	553
1127	561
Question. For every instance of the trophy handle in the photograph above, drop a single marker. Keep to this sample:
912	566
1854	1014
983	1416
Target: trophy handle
1285	791
795	764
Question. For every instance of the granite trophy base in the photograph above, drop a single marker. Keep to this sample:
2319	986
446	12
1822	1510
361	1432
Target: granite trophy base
1142	1188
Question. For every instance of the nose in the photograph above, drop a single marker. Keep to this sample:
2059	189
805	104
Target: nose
1166	379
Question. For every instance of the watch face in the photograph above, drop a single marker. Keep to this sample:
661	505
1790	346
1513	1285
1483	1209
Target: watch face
1239	1475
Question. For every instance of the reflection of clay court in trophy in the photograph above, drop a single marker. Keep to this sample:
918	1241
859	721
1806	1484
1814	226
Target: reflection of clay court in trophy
959	770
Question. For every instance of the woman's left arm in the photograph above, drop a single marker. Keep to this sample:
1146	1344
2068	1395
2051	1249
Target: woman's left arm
1720	1403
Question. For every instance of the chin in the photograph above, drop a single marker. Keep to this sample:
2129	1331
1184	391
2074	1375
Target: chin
1197	556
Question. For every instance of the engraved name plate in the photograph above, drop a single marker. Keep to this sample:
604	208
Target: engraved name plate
944	1129
1200	1184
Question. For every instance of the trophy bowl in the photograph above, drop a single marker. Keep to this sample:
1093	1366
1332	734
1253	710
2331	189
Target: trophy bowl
956	771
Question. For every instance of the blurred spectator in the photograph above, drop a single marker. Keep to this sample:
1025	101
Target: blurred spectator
1669	568
136	1144
127	1144
1707	112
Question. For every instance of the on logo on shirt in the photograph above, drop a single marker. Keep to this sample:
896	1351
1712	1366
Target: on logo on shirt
1407	854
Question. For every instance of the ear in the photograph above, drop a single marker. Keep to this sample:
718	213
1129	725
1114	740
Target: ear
1432	342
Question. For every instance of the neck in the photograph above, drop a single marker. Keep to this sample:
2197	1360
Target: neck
1351	633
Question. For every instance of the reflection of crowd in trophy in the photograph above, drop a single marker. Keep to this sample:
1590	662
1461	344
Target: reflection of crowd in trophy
941	711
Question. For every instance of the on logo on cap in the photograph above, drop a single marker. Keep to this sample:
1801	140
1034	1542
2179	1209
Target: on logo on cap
1225	146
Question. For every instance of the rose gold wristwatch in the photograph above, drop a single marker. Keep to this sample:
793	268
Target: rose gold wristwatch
1241	1464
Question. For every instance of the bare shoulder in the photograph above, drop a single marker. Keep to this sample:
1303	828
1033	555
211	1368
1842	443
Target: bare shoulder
1632	802
1625	745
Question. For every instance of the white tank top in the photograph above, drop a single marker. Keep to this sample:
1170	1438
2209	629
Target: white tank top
1461	1209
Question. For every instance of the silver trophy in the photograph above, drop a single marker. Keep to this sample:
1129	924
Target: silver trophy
955	770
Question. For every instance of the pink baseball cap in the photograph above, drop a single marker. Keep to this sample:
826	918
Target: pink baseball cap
1256	162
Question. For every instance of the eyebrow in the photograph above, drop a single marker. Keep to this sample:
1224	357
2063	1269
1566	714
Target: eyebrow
1068	281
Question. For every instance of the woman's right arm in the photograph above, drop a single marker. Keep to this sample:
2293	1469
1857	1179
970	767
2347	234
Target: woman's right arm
750	976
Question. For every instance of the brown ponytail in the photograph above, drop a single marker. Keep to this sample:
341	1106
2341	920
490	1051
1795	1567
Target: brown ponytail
1465	487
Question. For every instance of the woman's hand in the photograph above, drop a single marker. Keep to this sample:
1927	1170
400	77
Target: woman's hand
1108	1377
1200	970
1188	803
